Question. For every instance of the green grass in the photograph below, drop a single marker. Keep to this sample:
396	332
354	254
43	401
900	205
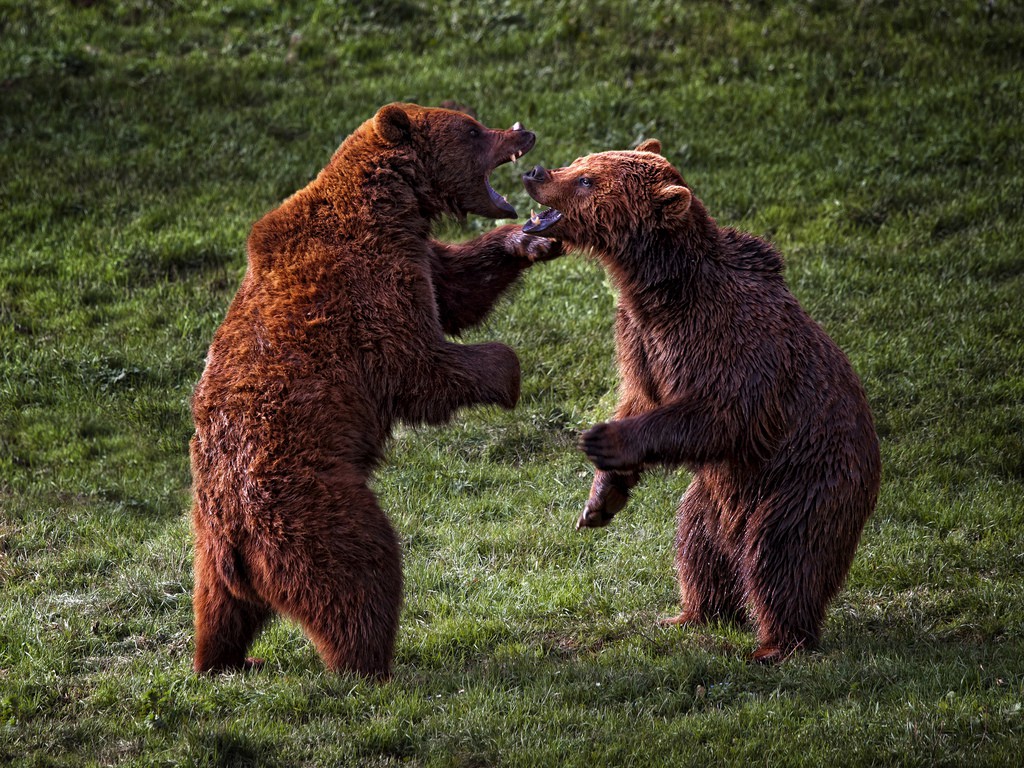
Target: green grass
879	144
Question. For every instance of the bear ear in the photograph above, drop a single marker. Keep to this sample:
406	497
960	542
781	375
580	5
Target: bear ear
649	145
674	199
392	124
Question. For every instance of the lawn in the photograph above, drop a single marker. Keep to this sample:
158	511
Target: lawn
879	144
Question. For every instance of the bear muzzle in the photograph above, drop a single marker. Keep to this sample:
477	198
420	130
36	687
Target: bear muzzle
507	146
513	143
538	175
535	181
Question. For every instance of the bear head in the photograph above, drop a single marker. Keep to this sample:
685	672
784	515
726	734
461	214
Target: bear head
456	154
609	201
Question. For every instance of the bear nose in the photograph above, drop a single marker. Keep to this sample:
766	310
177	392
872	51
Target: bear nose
539	173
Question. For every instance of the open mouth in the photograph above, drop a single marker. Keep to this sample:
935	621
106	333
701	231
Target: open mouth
497	198
541	221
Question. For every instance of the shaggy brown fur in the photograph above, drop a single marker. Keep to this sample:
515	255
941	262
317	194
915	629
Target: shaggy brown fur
723	371
336	331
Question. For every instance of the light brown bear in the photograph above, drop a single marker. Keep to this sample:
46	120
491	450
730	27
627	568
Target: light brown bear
337	331
721	371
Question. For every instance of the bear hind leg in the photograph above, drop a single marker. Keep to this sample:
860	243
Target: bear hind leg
709	585
345	585
225	625
784	627
795	568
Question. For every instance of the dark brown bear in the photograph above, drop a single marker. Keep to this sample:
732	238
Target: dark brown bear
337	331
721	371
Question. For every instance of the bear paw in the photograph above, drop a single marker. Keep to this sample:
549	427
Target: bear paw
605	446
599	510
776	653
684	619
532	248
768	654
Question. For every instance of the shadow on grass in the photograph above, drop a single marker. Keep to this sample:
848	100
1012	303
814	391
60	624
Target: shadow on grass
224	747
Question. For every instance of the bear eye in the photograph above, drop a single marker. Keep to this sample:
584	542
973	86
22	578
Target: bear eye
586	181
474	132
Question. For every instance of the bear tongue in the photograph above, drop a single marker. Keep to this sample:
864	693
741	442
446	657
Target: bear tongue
499	201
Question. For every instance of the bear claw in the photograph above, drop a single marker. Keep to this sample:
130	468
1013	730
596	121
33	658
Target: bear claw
592	518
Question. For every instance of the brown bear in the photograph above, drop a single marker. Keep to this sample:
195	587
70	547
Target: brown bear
337	331
721	371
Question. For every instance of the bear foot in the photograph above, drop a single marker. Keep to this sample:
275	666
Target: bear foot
773	654
684	619
250	664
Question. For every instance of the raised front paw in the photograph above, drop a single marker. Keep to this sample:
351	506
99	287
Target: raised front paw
606	446
608	495
599	510
533	248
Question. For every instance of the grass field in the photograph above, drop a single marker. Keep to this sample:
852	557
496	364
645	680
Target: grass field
877	143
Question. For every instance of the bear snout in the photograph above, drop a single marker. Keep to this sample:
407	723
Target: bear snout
511	144
539	175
